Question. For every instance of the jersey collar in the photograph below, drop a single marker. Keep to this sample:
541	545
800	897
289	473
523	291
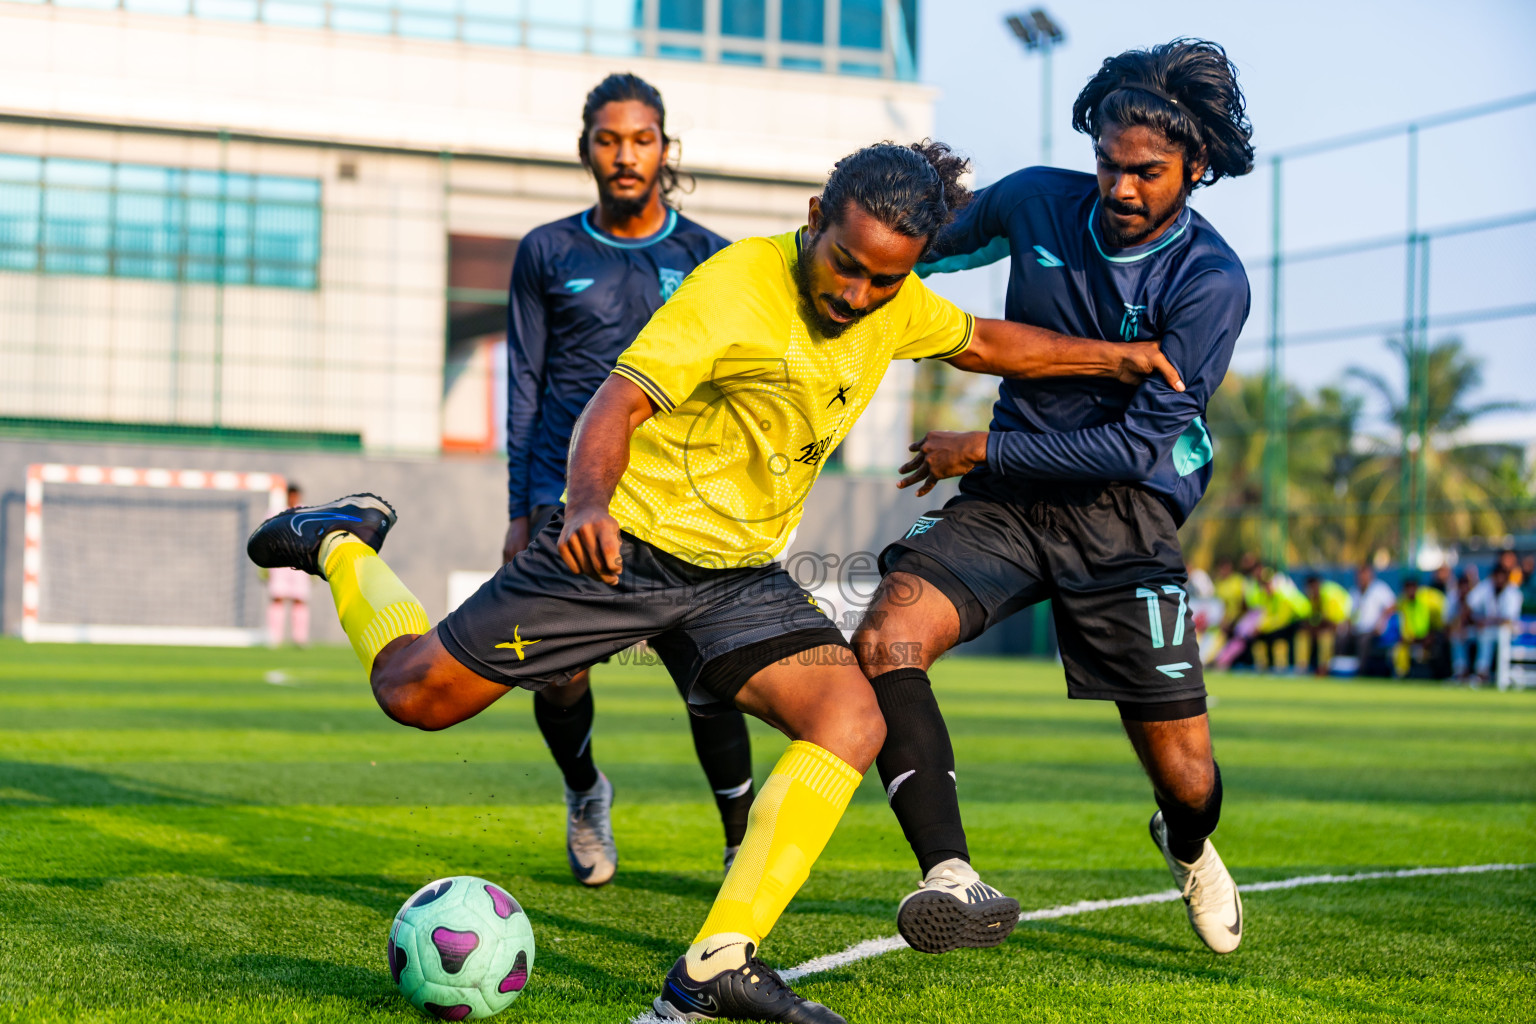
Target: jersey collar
627	243
1132	255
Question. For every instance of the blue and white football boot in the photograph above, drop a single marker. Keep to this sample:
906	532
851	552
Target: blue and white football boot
955	909
292	538
753	991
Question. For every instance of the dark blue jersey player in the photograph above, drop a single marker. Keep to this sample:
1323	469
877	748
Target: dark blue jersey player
582	288
1076	492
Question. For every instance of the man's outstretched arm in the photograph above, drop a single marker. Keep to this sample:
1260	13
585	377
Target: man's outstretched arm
589	543
1009	349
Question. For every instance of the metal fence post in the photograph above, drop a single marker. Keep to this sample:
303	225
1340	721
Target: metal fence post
1407	434
1274	541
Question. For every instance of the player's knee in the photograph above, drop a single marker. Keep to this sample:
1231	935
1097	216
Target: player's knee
1191	784
406	695
859	729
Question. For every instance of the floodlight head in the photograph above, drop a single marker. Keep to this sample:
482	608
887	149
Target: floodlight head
1024	30
1046	28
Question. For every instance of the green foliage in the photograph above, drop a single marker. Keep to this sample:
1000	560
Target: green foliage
183	840
1344	484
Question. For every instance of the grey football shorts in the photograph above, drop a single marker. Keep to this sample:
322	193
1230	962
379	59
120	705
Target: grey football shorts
536	623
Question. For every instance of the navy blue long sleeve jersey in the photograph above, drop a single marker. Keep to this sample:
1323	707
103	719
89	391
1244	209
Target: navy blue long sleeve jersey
578	298
1186	288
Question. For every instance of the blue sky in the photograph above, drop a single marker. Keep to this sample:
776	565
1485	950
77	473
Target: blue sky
1311	70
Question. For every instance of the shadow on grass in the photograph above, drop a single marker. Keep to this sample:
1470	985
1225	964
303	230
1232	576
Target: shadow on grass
48	784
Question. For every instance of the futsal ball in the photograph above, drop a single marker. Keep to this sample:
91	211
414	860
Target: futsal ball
461	948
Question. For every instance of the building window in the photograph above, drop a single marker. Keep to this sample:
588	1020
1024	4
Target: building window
163	223
861	25
742	18
803	21
681	16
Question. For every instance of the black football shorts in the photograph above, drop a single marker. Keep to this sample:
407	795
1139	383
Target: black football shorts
536	623
1108	559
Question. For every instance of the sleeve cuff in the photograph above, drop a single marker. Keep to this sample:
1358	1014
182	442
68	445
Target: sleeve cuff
965	340
642	381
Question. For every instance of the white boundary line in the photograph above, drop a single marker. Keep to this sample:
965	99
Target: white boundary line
879	947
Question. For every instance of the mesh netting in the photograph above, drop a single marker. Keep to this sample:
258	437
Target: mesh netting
146	556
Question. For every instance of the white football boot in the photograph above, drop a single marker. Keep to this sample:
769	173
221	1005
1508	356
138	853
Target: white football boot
589	833
1211	896
955	909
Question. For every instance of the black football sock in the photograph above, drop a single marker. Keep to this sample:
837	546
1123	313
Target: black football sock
1188	829
568	732
725	753
917	767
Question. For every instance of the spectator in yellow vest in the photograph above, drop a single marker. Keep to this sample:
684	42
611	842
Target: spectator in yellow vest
1330	610
1421	620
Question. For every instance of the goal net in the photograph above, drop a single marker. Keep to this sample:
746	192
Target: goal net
143	556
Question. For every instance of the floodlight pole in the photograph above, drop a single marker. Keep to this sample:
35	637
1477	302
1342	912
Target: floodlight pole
1275	542
1036	30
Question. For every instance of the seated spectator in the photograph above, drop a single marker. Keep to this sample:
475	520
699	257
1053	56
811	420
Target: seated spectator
1286	609
1372	601
1459	632
1494	604
1442	579
1421	624
1329	614
1528	570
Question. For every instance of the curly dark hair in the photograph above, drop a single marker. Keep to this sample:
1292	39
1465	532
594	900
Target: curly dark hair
1187	91
914	190
618	88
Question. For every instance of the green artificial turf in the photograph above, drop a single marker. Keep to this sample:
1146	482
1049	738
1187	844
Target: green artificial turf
186	836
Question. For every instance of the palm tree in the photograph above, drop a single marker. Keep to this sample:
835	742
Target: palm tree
1470	490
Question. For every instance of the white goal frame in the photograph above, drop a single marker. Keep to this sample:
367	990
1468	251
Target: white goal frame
39	475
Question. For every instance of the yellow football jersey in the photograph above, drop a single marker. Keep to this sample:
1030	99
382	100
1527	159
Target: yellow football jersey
751	400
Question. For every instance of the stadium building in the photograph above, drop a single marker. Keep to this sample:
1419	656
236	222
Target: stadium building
240	234
226	216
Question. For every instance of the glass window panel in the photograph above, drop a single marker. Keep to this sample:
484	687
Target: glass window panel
428	26
138	178
17	259
294	13
303	190
492	33
159	6
227	10
77	172
680	52
861	25
354	19
77	220
20	168
681	15
142	221
800	63
849	67
742	18
237	230
557	12
741	58
803	21
204	183
20	206
557	40
613	15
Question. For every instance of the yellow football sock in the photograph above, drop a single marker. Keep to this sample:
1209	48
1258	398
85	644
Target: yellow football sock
791	820
373	604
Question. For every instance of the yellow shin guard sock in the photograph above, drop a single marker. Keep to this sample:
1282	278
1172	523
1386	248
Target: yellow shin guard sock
373	604
792	818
